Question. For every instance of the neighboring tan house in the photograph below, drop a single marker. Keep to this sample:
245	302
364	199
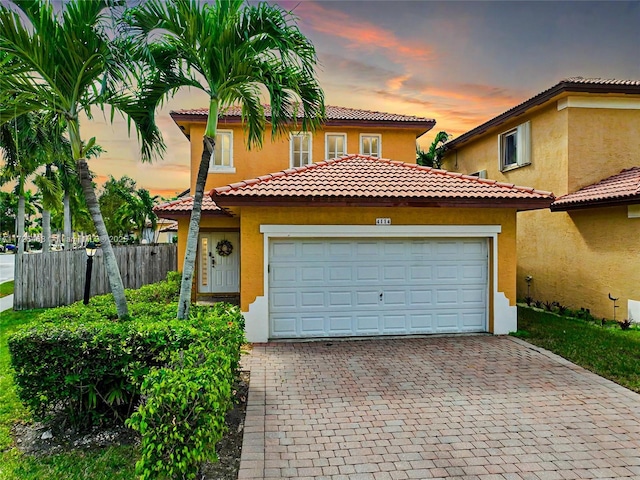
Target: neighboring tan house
580	139
356	245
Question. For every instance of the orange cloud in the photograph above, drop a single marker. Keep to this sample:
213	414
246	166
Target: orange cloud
361	35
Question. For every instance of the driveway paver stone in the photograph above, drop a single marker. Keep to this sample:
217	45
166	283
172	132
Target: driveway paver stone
469	407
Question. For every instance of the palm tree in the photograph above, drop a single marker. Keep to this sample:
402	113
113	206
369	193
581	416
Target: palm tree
433	156
230	51
64	63
20	143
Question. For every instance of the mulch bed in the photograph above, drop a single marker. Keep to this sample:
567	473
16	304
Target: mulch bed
38	439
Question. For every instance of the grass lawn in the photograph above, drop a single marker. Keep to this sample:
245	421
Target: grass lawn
114	463
609	351
6	288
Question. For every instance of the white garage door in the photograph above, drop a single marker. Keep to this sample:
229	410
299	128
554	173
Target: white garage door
362	287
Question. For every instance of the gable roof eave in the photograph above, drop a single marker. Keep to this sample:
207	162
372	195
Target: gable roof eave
568	85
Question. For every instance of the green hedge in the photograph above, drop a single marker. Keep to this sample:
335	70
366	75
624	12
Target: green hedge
183	414
79	363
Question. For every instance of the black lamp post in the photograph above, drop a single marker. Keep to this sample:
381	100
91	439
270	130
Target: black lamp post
91	249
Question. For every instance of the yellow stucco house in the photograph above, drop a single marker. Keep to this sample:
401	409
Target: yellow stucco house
579	139
322	235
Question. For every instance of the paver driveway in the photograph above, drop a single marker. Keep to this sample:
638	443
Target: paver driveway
476	407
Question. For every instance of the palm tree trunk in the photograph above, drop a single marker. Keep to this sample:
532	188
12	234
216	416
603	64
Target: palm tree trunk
110	263
46	230
20	225
66	206
188	267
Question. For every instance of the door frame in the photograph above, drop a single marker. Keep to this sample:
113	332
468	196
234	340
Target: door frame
499	309
198	275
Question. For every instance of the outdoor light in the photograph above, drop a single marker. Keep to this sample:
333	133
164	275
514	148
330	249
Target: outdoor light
91	249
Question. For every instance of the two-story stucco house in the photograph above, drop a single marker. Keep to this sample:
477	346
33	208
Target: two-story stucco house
579	139
339	233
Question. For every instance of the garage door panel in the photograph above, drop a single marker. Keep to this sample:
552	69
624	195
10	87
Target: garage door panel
421	298
391	273
340	325
367	298
354	287
340	273
394	298
313	275
420	273
420	323
312	299
284	274
340	299
367	324
367	273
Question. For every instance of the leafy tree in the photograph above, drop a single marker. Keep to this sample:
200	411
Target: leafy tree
21	143
8	213
63	62
230	51
433	156
115	196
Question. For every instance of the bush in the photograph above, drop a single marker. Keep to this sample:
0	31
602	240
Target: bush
91	372
183	414
79	364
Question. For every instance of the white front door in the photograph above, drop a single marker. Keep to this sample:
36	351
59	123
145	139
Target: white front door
360	287
219	273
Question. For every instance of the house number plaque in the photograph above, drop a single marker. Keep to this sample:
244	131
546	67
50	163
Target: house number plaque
383	221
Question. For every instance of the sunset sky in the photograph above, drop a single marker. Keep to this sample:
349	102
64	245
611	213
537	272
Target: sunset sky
458	62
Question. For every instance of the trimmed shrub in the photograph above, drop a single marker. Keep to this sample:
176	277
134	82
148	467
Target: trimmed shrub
91	372
80	364
183	414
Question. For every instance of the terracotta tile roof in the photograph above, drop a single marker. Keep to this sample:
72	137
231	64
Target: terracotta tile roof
360	179
621	188
571	84
183	206
332	113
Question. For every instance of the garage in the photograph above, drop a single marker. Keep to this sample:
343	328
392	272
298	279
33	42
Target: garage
344	287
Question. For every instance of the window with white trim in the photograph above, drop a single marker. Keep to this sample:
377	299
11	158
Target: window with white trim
222	158
335	145
371	144
300	149
514	147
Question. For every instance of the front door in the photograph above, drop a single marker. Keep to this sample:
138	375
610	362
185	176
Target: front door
219	262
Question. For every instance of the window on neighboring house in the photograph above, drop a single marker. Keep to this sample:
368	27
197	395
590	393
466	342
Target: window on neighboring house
300	149
371	145
336	144
515	147
222	159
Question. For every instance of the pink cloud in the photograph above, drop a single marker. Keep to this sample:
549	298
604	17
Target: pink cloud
361	35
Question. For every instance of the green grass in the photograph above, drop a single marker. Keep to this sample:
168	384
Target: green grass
6	288
114	463
609	351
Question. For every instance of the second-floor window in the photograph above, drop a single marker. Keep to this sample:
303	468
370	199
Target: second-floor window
300	149
371	144
515	147
223	154
336	145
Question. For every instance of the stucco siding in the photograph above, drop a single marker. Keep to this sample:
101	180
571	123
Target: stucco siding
549	154
578	258
397	144
602	142
252	241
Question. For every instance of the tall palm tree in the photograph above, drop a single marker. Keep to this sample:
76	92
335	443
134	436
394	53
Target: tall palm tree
230	51
64	63
21	144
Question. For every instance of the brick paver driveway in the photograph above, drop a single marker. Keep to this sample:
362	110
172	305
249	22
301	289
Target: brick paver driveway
472	407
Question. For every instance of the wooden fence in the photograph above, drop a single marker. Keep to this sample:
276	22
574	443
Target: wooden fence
52	279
